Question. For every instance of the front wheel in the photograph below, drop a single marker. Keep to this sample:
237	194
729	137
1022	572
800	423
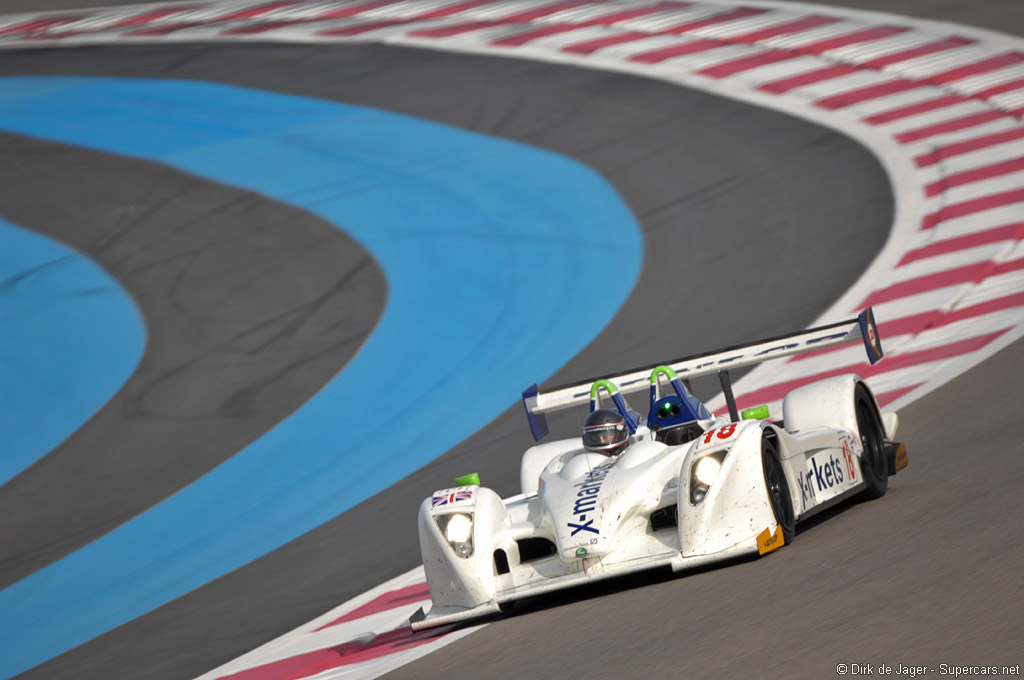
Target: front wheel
778	490
873	464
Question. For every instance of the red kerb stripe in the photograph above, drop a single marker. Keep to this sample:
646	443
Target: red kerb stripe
445	31
533	34
1008	232
616	17
734	66
457	8
311	663
803	24
731	15
918	323
865	35
915	109
252	12
358	29
663	53
922	284
389	600
1008	86
968	146
974	205
808	78
351	10
591	46
519	17
971	273
147	17
538	12
975	175
862	94
962	123
890	363
919	51
981	309
983	66
886	398
35	25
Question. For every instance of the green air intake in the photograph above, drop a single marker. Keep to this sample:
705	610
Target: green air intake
756	413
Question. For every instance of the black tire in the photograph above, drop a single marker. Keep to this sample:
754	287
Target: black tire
873	464
778	489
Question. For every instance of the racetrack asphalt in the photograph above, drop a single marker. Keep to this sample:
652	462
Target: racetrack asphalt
737	165
241	298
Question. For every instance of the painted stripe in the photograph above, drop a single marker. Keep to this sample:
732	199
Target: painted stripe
591	46
359	29
625	16
722	18
943	279
682	49
533	34
259	10
734	66
973	206
127	22
389	600
961	123
975	175
445	31
953	350
862	94
347	654
915	109
967	146
484	192
889	396
939	319
70	336
864	35
1002	88
983	66
1008	232
36	25
784	85
786	28
880	63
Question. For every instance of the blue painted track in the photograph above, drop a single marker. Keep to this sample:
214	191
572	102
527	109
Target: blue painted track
502	261
69	338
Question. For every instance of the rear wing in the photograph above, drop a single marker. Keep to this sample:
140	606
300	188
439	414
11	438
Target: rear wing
538	403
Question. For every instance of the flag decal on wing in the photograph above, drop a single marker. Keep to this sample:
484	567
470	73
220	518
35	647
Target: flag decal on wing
448	496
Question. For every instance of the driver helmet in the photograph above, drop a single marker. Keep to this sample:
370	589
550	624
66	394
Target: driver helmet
605	431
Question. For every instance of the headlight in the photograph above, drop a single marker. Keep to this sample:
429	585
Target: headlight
703	474
457	528
706	470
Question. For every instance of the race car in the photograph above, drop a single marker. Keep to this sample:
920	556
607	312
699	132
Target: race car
678	487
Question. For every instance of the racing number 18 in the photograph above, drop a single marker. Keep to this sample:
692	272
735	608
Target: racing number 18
724	432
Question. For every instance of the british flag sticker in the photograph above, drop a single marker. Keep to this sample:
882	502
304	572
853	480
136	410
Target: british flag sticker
449	496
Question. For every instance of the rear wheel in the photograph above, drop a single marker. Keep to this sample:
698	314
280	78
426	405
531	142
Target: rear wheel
873	464
778	489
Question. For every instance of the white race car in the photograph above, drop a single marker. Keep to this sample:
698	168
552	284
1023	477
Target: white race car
686	488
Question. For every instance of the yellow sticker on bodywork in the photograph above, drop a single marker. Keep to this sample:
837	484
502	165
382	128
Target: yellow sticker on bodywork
901	457
767	541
